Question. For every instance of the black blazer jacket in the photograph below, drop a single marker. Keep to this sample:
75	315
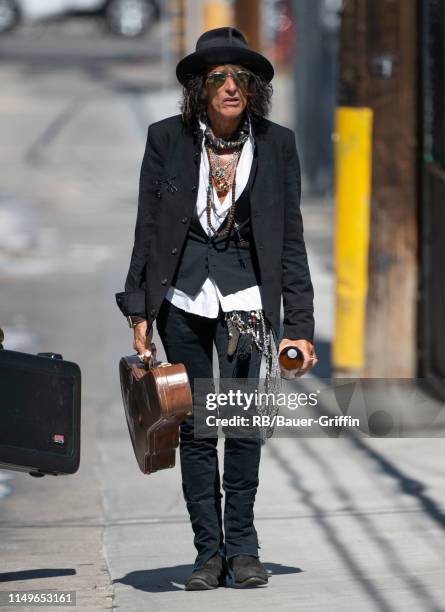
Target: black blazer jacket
167	196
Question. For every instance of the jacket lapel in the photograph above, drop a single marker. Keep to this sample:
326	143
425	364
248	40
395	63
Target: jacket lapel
259	185
184	165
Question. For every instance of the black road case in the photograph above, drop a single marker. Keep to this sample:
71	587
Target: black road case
39	413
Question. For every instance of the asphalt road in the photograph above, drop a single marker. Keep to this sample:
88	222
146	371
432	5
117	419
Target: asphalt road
344	524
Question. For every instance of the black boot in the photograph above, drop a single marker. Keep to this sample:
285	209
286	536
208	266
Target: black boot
248	571
210	576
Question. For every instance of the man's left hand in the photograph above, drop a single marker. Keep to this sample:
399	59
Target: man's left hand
310	358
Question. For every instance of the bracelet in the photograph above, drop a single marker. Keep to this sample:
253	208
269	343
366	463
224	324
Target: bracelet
134	320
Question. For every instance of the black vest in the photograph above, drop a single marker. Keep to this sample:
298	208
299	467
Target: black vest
232	266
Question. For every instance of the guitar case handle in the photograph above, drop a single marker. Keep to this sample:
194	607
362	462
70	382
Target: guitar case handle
150	361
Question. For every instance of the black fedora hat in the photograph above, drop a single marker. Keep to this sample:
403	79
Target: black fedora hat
223	46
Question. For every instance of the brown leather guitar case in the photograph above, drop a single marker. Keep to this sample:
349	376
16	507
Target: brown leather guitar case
157	397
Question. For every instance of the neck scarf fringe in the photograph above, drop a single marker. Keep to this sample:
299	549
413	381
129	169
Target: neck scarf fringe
258	332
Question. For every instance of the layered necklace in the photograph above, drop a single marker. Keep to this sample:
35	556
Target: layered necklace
223	175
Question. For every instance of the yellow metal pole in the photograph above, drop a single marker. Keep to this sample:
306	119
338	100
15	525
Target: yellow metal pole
217	14
353	150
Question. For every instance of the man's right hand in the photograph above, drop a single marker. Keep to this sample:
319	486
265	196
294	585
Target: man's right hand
141	341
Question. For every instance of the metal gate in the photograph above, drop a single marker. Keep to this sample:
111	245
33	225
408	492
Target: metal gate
432	181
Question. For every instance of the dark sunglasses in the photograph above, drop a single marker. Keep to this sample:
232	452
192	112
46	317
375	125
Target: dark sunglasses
218	79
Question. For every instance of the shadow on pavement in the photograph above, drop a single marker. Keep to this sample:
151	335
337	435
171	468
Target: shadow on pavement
165	579
36	573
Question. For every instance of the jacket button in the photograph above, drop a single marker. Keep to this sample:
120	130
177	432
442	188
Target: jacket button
158	193
174	251
184	219
261	247
164	281
194	188
153	311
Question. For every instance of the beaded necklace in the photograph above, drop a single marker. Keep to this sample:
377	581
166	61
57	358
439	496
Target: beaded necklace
224	175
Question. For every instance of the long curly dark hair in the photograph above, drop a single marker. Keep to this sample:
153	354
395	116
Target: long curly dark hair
194	96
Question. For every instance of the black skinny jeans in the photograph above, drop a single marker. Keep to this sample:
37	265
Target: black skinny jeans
188	339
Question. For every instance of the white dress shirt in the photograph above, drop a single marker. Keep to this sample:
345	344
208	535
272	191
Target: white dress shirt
206	301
